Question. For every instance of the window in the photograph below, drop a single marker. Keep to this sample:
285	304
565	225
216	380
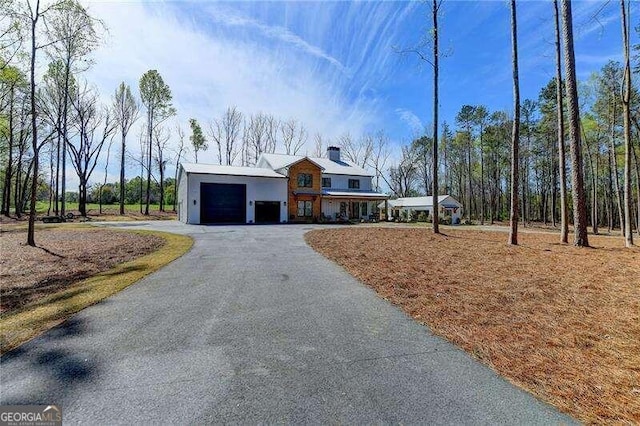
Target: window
343	209
326	182
363	209
354	183
305	208
305	180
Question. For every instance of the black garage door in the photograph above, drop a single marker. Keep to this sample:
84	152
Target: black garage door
267	211
223	203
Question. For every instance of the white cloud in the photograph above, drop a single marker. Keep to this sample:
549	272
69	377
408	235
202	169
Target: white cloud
210	70
412	120
229	18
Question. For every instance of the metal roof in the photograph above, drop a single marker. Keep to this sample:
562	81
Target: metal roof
354	194
215	169
415	202
330	167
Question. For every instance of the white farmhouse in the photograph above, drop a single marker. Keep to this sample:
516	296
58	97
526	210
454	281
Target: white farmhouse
280	188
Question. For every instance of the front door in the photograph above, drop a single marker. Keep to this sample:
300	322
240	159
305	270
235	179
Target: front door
355	211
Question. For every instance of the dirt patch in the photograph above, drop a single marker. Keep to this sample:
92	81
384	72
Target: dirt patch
559	321
64	255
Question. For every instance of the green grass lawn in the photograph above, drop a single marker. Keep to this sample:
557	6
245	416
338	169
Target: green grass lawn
92	208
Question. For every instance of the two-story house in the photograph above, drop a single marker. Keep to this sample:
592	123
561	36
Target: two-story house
280	188
324	187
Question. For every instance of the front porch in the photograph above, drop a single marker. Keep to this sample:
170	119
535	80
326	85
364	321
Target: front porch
342	209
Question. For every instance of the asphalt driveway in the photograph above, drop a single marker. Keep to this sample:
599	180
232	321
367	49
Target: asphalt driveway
253	326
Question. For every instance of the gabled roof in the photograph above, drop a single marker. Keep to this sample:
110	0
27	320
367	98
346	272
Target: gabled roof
215	169
279	161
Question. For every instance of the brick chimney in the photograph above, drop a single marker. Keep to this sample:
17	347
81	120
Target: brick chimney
333	152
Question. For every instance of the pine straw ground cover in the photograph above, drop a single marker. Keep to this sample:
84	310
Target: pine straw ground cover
559	321
64	256
73	267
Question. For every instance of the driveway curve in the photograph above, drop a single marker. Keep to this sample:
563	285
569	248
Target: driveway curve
253	326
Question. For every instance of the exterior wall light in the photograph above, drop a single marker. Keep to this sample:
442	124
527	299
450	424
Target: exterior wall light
250	203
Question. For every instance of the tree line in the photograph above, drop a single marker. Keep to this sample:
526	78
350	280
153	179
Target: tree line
48	120
501	165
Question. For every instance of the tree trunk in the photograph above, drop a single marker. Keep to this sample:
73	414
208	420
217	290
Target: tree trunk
579	209
17	207
161	167
626	89
31	240
150	153
65	107
57	190
562	163
482	189
82	197
6	191
435	219
515	132
613	160
635	158
123	147
469	192
594	183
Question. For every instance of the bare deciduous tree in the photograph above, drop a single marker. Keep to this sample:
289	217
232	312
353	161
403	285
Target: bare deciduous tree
403	175
161	137
255	138
180	150
88	117
294	136
125	112
225	132
319	145
356	151
72	33
156	97
379	157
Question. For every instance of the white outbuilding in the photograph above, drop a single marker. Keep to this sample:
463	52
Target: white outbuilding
449	207
229	194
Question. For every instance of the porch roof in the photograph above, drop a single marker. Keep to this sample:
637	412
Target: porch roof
368	195
306	192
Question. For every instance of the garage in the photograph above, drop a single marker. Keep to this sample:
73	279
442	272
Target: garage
222	203
216	194
267	211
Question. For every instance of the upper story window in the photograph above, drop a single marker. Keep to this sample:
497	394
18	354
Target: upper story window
326	182
305	180
354	183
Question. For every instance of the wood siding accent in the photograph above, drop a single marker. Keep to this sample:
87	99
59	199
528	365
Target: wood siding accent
304	166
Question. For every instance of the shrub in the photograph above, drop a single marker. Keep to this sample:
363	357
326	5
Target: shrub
444	220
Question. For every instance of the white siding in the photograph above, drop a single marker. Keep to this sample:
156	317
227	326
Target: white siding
181	204
342	181
258	189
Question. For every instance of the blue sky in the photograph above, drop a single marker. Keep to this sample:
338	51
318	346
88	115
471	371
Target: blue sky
334	65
